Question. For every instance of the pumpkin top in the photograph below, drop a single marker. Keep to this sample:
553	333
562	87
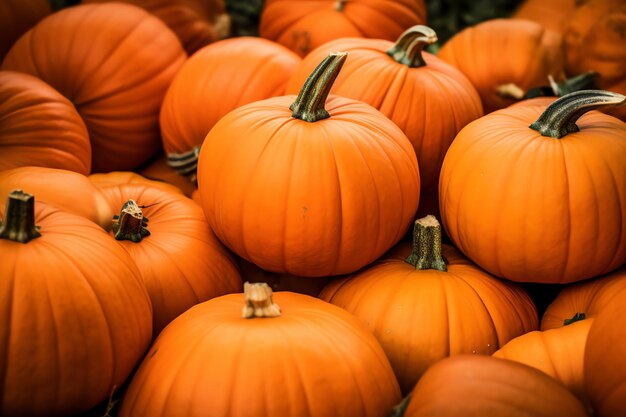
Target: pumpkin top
426	253
258	298
19	221
408	48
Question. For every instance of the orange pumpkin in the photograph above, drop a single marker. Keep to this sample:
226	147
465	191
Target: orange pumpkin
426	302
180	260
298	357
114	62
553	15
159	170
196	22
303	25
75	318
40	127
547	200
476	386
16	17
238	71
316	189
430	100
125	177
499	53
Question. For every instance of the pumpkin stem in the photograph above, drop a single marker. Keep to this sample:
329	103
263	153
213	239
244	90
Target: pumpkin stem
258	297
426	252
510	90
309	105
131	224
186	163
19	218
576	317
400	409
340	5
409	46
559	119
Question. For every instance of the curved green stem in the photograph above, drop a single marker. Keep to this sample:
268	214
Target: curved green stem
309	105
19	218
409	46
426	252
131	224
576	317
559	119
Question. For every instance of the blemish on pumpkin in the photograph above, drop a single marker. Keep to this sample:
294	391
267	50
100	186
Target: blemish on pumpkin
304	210
153	353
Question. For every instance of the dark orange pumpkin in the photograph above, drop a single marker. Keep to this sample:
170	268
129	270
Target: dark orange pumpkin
426	302
40	127
502	52
179	258
114	62
16	17
75	318
430	100
313	190
546	201
303	25
298	357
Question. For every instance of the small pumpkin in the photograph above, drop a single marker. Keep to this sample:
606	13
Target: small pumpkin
547	190
294	355
40	127
114	62
16	17
303	25
310	187
75	318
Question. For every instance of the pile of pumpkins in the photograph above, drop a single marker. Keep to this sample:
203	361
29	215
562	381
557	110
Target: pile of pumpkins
366	218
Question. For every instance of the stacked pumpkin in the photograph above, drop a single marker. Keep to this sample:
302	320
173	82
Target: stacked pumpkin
309	173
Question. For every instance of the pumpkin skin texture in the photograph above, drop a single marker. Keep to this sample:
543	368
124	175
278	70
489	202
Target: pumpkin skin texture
303	25
399	303
40	127
125	177
476	386
313	360
431	103
159	170
310	199
114	62
504	51
562	200
181	262
552	15
196	22
66	190
75	318
16	17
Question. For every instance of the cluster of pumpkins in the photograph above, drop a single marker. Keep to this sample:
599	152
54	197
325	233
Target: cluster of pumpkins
251	226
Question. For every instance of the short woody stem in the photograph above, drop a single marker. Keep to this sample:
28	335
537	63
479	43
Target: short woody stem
409	46
258	299
559	119
19	218
131	224
309	105
576	317
186	163
426	252
340	5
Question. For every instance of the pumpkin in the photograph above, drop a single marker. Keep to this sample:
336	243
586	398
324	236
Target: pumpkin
605	374
552	15
180	260
303	25
196	22
159	170
114	62
502	53
67	190
321	188
474	386
16	17
427	98
547	190
125	177
282	282
40	127
238	71
426	301
75	318
263	354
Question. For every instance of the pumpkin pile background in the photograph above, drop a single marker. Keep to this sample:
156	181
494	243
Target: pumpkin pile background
434	191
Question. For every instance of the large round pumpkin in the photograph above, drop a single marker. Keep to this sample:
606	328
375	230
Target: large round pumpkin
300	357
430	100
180	260
16	17
427	301
502	52
541	203
310	191
114	62
75	318
303	25
40	127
